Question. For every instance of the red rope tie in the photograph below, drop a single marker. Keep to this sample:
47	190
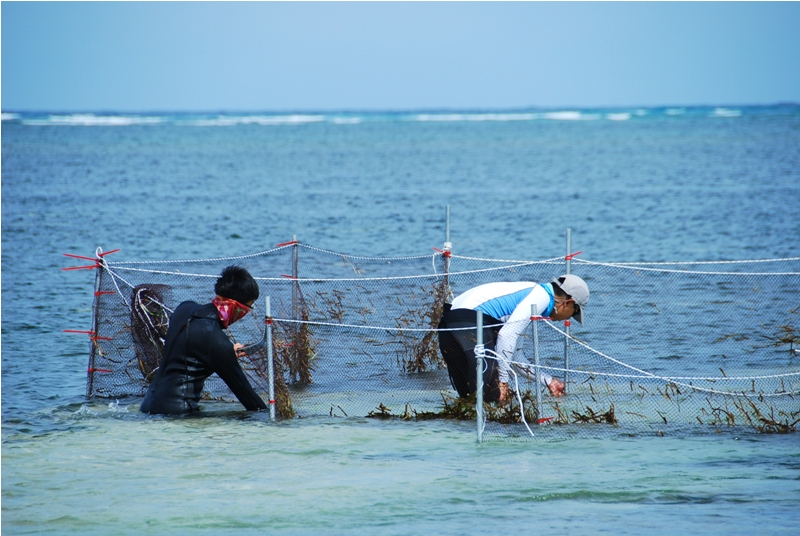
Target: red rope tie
290	243
268	320
80	257
92	335
567	323
102	292
91	267
445	253
272	402
93	370
534	318
544	420
572	255
287	276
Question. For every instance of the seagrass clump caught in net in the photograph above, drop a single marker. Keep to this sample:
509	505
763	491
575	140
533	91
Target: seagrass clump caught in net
417	354
667	347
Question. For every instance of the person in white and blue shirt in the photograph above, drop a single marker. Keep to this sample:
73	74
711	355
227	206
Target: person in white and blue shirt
506	309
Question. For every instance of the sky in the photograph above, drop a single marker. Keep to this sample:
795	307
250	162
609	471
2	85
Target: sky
362	56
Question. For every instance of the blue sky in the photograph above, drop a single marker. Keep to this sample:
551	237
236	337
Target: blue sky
254	56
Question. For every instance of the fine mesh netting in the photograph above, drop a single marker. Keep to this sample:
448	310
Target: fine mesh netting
664	346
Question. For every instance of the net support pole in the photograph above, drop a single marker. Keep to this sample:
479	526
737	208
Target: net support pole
567	257
95	328
567	323
446	248
479	355
295	275
535	329
447	225
270	361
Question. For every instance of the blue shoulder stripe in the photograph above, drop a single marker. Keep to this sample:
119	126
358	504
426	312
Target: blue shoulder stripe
504	305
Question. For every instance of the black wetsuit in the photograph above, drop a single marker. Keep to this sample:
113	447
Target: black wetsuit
458	350
196	347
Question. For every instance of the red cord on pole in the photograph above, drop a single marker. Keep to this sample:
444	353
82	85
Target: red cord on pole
93	370
79	257
572	255
92	267
95	259
92	335
290	243
102	292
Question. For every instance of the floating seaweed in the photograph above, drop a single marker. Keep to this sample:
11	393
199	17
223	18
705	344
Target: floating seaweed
382	413
766	424
509	412
597	417
720	415
785	334
463	409
561	418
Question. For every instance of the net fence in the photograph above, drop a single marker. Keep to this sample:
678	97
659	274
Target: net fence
665	347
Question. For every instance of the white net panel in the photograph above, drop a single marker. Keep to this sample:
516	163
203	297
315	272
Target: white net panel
666	347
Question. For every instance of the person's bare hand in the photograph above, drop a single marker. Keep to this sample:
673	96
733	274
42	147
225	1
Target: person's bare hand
556	387
239	349
505	395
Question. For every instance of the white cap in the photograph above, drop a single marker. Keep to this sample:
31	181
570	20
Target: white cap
577	289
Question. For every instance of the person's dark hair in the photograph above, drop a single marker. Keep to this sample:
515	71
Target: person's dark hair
558	291
237	284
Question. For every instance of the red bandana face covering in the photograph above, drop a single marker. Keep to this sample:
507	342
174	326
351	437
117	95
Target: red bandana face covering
229	310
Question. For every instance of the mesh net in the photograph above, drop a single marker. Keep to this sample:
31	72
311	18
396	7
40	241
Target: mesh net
665	347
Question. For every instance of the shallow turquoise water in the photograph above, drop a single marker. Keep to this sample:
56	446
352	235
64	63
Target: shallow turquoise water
112	471
690	186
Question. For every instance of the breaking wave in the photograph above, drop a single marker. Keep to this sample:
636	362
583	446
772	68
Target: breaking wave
355	118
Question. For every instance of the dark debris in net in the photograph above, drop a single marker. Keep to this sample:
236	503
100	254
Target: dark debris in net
416	355
761	416
149	324
296	348
463	409
257	363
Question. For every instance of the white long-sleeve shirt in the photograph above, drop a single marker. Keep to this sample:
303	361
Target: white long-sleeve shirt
511	304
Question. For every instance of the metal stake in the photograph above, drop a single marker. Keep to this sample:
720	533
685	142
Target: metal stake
568	322
270	365
479	354
535	328
447	247
447	227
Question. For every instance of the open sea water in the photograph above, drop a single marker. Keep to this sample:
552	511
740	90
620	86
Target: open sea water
702	183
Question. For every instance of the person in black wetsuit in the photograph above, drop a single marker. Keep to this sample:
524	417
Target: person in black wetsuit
196	347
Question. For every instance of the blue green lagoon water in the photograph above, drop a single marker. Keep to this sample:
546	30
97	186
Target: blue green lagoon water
705	183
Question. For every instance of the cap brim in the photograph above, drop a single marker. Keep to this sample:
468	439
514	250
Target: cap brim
579	316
